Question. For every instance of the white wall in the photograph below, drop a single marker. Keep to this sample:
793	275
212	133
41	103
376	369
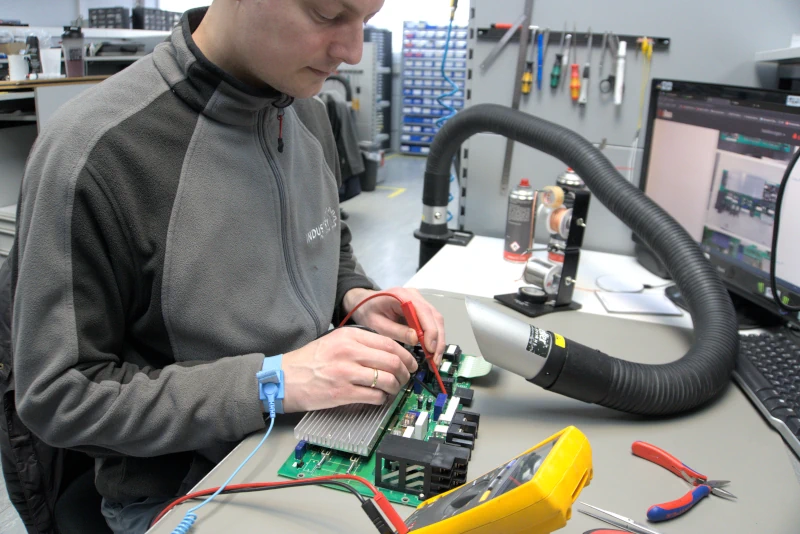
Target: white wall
40	12
182	5
60	12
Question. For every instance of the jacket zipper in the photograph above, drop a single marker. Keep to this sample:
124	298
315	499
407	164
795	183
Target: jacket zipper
284	222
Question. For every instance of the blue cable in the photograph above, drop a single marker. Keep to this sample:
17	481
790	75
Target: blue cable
455	90
450	198
190	517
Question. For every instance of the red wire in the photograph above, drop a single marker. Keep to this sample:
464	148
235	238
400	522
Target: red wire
420	335
376	295
378	497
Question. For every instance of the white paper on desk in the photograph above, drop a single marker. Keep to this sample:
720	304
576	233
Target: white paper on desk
638	303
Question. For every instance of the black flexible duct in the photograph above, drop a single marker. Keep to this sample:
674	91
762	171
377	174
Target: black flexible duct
348	90
631	387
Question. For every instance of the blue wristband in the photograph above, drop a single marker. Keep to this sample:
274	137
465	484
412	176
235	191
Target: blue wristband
270	383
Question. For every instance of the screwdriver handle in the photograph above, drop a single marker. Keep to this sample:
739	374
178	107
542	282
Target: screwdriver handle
555	74
527	80
540	62
575	82
661	457
619	79
668	510
584	87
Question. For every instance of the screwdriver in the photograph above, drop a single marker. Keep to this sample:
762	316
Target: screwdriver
527	76
584	97
555	74
575	83
565	57
542	47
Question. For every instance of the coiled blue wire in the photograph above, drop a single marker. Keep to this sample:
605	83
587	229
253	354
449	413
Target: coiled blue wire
190	517
454	91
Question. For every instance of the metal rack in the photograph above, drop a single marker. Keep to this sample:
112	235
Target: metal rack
423	51
383	82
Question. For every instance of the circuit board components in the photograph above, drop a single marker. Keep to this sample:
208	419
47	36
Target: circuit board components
418	467
425	435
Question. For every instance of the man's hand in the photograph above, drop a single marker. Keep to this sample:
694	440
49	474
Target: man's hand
339	368
384	315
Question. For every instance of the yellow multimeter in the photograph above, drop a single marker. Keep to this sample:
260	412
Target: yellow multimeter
532	493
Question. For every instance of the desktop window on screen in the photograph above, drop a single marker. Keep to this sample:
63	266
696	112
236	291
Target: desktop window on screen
715	165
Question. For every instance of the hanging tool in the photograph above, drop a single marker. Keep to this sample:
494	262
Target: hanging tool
527	76
584	97
555	74
575	76
647	50
541	46
703	486
619	78
565	58
523	19
621	521
517	95
610	43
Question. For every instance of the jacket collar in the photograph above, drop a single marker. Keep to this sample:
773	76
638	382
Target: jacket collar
203	85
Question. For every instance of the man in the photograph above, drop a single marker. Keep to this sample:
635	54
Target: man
178	233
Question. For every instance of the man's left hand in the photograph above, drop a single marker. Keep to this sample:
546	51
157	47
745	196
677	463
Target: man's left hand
385	316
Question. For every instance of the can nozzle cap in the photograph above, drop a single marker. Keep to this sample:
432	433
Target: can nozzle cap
524	182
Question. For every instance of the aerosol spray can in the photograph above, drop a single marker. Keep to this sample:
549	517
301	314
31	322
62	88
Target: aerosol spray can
520	222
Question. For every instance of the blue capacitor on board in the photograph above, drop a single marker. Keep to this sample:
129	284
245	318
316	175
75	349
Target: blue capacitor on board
300	450
438	406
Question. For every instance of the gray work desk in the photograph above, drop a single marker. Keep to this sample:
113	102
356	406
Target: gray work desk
727	439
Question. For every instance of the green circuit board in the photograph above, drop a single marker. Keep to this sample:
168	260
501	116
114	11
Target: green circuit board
321	461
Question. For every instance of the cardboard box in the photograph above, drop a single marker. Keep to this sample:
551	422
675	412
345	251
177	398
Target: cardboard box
12	48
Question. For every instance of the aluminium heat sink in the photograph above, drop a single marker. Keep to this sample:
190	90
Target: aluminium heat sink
354	428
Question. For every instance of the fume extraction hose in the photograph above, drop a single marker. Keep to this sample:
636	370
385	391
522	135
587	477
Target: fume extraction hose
584	373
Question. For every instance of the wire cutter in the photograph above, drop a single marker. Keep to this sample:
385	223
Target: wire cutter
702	486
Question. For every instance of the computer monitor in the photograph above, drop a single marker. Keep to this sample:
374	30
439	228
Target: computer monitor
713	159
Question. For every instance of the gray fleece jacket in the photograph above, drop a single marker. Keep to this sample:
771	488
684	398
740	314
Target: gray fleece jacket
165	245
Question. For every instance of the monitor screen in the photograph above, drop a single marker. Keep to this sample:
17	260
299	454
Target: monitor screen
714	159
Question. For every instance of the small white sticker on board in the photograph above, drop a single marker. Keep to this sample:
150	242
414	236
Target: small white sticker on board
793	101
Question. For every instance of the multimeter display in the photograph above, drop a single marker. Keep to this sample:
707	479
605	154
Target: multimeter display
480	491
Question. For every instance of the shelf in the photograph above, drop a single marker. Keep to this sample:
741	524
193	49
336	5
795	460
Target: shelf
416	143
430	106
17	96
384	70
781	55
12	117
88	33
97	58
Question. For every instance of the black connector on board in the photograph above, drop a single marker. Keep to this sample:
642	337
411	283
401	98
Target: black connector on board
448	382
452	353
458	438
467	422
422	468
466	395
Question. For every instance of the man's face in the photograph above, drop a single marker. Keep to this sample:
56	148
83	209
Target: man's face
293	45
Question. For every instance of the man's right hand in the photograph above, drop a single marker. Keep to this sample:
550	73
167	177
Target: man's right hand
339	368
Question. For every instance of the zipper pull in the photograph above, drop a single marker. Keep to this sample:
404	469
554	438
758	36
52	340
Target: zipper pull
280	131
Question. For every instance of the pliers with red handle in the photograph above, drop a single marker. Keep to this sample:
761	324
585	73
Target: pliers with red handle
702	486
